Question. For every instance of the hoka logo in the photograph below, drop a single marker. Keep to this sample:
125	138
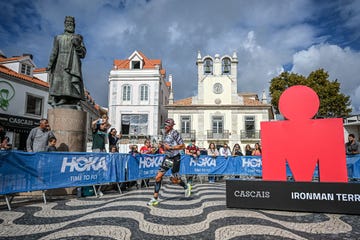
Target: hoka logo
82	164
203	162
251	162
149	162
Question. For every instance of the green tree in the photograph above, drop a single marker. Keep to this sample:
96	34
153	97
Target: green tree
332	102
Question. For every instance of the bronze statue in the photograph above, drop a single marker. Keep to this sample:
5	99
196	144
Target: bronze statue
66	82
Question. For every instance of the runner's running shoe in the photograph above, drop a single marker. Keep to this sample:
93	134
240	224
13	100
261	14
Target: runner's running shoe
188	190
153	202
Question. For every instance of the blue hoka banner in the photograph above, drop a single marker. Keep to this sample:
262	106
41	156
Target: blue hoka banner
21	171
119	161
353	166
78	169
203	165
17	171
249	165
141	166
221	165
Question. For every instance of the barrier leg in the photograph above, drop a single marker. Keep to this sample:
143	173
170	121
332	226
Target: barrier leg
8	202
119	188
144	180
94	187
44	196
99	192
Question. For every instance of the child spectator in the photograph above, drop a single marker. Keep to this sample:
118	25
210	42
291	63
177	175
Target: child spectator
51	147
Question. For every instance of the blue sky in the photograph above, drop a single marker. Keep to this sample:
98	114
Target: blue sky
269	36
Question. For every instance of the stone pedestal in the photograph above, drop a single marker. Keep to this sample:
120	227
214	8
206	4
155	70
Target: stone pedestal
70	129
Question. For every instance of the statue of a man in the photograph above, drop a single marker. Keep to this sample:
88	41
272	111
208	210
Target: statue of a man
66	82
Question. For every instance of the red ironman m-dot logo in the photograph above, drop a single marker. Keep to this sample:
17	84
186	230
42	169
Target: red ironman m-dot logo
303	142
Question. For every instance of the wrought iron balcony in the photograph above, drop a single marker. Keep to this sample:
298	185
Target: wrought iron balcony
255	134
189	135
214	135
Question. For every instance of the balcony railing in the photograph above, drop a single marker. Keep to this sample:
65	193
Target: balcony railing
133	139
250	134
189	135
214	135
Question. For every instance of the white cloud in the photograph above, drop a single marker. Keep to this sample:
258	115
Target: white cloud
341	64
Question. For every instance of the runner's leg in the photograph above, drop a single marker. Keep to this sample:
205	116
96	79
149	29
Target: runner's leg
176	178
158	180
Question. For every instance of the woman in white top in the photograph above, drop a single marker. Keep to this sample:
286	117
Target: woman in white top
225	151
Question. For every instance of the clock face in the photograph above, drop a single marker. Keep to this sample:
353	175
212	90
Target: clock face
218	88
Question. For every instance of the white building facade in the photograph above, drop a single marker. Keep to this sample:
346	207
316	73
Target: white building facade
23	98
138	93
220	114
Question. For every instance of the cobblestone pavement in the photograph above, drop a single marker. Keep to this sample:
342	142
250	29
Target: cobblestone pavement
202	216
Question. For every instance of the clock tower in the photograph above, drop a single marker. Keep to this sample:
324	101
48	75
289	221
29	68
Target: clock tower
217	79
219	113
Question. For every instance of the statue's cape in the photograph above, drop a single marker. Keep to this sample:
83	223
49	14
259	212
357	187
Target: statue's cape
73	65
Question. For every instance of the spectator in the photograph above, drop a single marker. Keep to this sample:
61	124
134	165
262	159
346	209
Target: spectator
99	135
113	149
4	143
133	150
225	151
98	145
38	138
212	152
147	148
113	138
352	147
52	145
2	132
257	150
248	150
160	148
104	119
237	150
192	149
194	152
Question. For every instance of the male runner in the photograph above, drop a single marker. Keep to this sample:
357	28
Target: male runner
173	143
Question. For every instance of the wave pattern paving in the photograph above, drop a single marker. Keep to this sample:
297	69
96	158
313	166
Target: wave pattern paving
202	216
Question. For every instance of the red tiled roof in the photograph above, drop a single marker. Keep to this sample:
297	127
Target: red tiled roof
184	102
148	63
248	101
252	102
39	70
2	59
34	80
122	64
